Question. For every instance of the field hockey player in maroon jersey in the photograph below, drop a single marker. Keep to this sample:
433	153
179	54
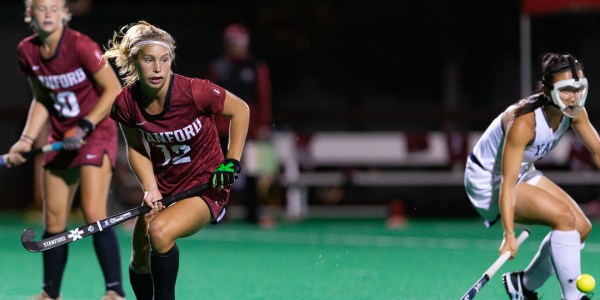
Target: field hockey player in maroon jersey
73	90
172	144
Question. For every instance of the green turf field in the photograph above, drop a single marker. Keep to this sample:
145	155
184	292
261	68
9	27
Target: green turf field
314	259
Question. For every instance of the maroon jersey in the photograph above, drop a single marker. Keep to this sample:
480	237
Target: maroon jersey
71	93
182	140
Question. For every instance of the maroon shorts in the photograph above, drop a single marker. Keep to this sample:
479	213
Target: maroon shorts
217	202
103	140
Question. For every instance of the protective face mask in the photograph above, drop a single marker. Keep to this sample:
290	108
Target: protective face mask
578	87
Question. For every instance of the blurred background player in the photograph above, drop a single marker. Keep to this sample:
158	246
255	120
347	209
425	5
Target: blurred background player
241	73
76	8
172	145
73	89
503	183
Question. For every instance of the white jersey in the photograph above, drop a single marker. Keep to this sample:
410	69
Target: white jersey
488	148
483	170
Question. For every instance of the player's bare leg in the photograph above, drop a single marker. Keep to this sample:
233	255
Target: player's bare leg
582	224
140	275
549	205
181	219
58	187
95	186
140	257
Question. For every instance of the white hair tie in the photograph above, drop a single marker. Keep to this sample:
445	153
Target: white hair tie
149	42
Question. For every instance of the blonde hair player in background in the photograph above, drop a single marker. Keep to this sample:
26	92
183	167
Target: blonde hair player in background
73	89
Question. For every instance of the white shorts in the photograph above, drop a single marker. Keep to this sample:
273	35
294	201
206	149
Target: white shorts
483	187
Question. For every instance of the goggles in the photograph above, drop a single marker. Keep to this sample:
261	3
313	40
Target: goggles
577	88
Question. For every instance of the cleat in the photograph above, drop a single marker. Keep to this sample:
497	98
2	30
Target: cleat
513	283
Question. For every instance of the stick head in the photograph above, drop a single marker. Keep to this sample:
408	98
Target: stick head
27	239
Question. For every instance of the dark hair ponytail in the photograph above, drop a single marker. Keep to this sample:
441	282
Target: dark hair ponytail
530	104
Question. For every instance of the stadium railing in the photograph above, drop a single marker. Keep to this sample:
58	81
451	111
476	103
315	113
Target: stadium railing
378	159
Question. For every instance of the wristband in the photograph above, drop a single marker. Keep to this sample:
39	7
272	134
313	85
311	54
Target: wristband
86	125
26	138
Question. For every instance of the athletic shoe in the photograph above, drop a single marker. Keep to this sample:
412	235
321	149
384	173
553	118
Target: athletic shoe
513	283
43	296
112	295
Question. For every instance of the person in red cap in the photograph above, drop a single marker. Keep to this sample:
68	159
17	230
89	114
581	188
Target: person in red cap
238	71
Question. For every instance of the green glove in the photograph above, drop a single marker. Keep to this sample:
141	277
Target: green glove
226	173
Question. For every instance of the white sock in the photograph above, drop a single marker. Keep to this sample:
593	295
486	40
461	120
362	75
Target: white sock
565	252
540	268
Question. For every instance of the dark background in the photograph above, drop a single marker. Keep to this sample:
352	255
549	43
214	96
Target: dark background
350	65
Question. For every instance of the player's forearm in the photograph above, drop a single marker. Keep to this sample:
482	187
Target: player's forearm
239	112
110	89
102	109
238	132
507	209
36	119
596	160
142	168
99	113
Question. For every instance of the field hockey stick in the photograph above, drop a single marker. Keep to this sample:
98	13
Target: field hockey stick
493	269
89	229
45	149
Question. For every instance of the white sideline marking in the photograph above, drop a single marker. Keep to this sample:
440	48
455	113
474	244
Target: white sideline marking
358	240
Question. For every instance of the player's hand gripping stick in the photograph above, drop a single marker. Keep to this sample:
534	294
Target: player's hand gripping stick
489	273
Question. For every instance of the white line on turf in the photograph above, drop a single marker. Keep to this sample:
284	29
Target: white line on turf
356	240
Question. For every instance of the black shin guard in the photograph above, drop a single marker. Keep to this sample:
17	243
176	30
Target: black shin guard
107	251
141	284
164	273
55	261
